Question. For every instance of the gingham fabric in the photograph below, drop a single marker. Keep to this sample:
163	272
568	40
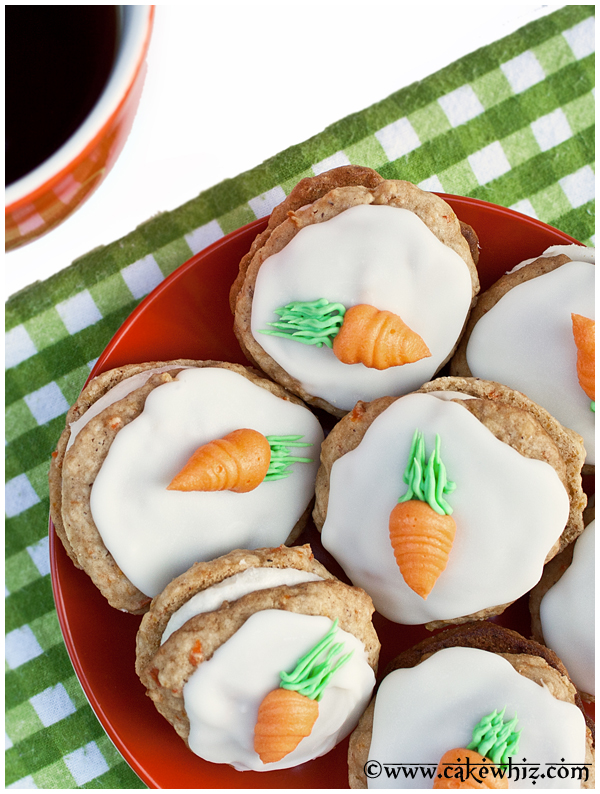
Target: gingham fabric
512	123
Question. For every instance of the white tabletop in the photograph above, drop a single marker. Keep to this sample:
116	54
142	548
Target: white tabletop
230	84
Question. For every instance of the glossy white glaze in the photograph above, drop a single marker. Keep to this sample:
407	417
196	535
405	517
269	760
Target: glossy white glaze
423	711
380	255
155	534
567	614
526	342
223	695
509	511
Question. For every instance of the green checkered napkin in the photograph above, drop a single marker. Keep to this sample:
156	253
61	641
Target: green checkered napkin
512	123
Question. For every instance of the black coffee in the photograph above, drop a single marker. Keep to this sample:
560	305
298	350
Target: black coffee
58	60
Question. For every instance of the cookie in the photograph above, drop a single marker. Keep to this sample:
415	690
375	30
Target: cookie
340	242
521	333
211	674
126	520
561	606
502	470
474	688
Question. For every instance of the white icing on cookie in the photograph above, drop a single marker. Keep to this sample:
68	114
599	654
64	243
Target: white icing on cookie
423	711
567	614
234	587
578	253
526	342
509	511
155	534
223	695
380	255
118	392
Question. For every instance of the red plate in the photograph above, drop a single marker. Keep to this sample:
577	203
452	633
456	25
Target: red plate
188	316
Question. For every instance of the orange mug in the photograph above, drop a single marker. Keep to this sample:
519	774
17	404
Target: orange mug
46	195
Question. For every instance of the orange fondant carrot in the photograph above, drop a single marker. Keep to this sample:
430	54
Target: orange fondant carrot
421	539
377	339
237	462
285	717
452	771
584	333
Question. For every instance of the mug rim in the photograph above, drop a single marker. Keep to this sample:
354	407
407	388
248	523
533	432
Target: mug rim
128	62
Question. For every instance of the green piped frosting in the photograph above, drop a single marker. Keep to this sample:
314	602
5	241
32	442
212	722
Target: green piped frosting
427	480
593	406
311	322
495	739
310	677
281	457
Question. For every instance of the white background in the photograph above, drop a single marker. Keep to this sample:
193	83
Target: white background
230	84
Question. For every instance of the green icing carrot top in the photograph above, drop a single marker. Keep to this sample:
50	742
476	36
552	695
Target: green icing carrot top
495	739
282	458
427	479
310	676
311	322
